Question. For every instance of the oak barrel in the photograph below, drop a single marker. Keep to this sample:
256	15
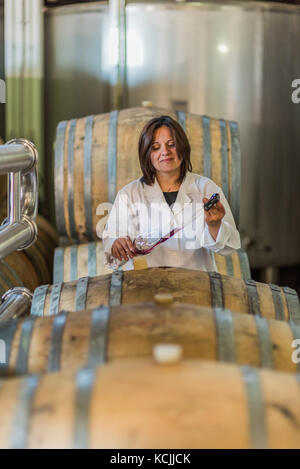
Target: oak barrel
73	340
41	253
209	289
139	404
17	268
33	266
8	277
24	270
87	259
96	156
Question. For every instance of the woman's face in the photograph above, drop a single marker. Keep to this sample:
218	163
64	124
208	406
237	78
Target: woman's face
164	155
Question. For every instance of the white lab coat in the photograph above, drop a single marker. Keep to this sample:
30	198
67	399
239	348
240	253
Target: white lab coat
140	208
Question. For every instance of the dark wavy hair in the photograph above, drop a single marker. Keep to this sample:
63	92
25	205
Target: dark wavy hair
145	145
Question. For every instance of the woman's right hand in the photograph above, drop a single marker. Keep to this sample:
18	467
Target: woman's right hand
123	248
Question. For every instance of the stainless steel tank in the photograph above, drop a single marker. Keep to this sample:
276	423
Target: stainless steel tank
235	61
76	78
231	60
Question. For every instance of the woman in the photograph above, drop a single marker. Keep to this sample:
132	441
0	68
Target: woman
169	196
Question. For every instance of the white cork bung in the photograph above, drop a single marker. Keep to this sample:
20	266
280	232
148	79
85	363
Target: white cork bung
165	354
163	298
147	103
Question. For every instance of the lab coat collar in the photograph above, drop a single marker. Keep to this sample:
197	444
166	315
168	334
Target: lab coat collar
154	193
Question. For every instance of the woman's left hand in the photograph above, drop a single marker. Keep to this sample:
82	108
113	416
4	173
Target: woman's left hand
213	217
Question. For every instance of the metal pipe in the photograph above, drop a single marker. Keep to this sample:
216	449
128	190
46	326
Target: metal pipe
15	157
15	303
13	199
29	193
19	230
24	187
17	236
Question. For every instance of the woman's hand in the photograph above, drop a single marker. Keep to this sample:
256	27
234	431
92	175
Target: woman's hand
213	217
123	248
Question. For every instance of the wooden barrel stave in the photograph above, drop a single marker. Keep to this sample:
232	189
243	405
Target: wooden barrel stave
81	260
67	341
8	277
208	289
42	251
138	404
16	269
46	242
98	145
33	266
25	269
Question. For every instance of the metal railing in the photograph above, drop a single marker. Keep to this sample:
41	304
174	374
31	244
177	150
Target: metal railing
15	303
18	159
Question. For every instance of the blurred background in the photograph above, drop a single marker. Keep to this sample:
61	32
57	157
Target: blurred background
231	60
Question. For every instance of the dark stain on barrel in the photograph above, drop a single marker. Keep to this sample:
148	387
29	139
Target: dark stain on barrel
46	408
285	412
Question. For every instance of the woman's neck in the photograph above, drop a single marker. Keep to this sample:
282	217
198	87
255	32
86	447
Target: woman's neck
168	182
